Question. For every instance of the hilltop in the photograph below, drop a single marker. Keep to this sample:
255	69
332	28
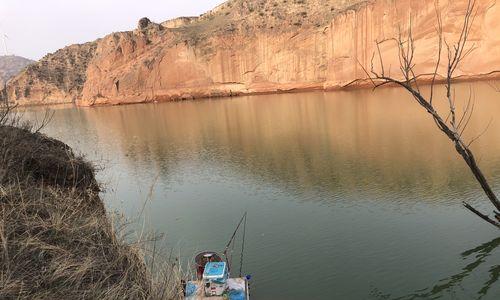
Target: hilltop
246	47
277	15
11	65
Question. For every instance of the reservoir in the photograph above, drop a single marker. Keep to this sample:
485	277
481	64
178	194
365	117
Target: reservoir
350	194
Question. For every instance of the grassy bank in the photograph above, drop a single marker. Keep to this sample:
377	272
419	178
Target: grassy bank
56	239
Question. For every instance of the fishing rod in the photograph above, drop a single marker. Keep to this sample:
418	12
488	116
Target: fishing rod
231	240
243	243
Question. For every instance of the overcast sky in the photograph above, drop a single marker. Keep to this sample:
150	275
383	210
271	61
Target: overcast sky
37	27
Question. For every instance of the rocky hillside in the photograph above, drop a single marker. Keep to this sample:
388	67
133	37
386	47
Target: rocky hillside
11	65
58	77
254	46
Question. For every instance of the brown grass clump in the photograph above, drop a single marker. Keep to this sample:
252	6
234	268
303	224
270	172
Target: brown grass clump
40	159
56	240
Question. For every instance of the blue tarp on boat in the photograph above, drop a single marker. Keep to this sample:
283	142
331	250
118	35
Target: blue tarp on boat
215	270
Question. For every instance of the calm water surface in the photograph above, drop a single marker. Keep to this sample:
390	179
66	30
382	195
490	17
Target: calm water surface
350	195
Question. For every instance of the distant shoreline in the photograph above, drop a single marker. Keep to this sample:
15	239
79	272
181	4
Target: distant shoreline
354	85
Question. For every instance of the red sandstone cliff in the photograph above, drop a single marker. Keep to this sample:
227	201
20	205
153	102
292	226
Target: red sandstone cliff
260	46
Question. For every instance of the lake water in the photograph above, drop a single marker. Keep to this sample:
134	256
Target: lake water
350	195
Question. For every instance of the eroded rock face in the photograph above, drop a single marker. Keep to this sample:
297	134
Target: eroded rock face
269	46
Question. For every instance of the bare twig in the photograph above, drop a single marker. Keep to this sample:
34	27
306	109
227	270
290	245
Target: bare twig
451	126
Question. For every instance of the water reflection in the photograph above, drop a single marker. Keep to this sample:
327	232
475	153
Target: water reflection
319	142
359	186
447	286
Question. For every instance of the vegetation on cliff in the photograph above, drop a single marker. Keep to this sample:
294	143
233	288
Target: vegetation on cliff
57	77
56	239
272	14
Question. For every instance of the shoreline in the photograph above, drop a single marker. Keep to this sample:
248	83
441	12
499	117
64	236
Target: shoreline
63	242
358	84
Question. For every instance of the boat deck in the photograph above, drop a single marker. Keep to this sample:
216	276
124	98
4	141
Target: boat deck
239	283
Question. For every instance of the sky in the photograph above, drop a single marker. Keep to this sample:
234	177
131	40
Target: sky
34	28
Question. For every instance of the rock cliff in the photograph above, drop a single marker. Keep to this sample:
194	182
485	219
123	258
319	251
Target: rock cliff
258	46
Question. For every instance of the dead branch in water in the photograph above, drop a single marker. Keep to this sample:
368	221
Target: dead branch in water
453	124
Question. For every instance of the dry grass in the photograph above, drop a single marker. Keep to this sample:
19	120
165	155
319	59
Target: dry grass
56	239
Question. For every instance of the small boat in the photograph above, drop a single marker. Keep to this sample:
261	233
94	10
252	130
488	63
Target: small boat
213	279
215	282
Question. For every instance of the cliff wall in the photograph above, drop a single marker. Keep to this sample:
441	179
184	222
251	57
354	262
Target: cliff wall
244	47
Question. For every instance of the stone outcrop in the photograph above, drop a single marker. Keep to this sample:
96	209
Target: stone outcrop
258	46
179	22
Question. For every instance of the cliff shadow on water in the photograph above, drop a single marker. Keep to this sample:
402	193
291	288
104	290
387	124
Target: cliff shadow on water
56	239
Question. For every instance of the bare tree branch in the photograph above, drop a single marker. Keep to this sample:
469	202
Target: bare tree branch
454	130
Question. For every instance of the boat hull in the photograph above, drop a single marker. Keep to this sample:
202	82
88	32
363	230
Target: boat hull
236	286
